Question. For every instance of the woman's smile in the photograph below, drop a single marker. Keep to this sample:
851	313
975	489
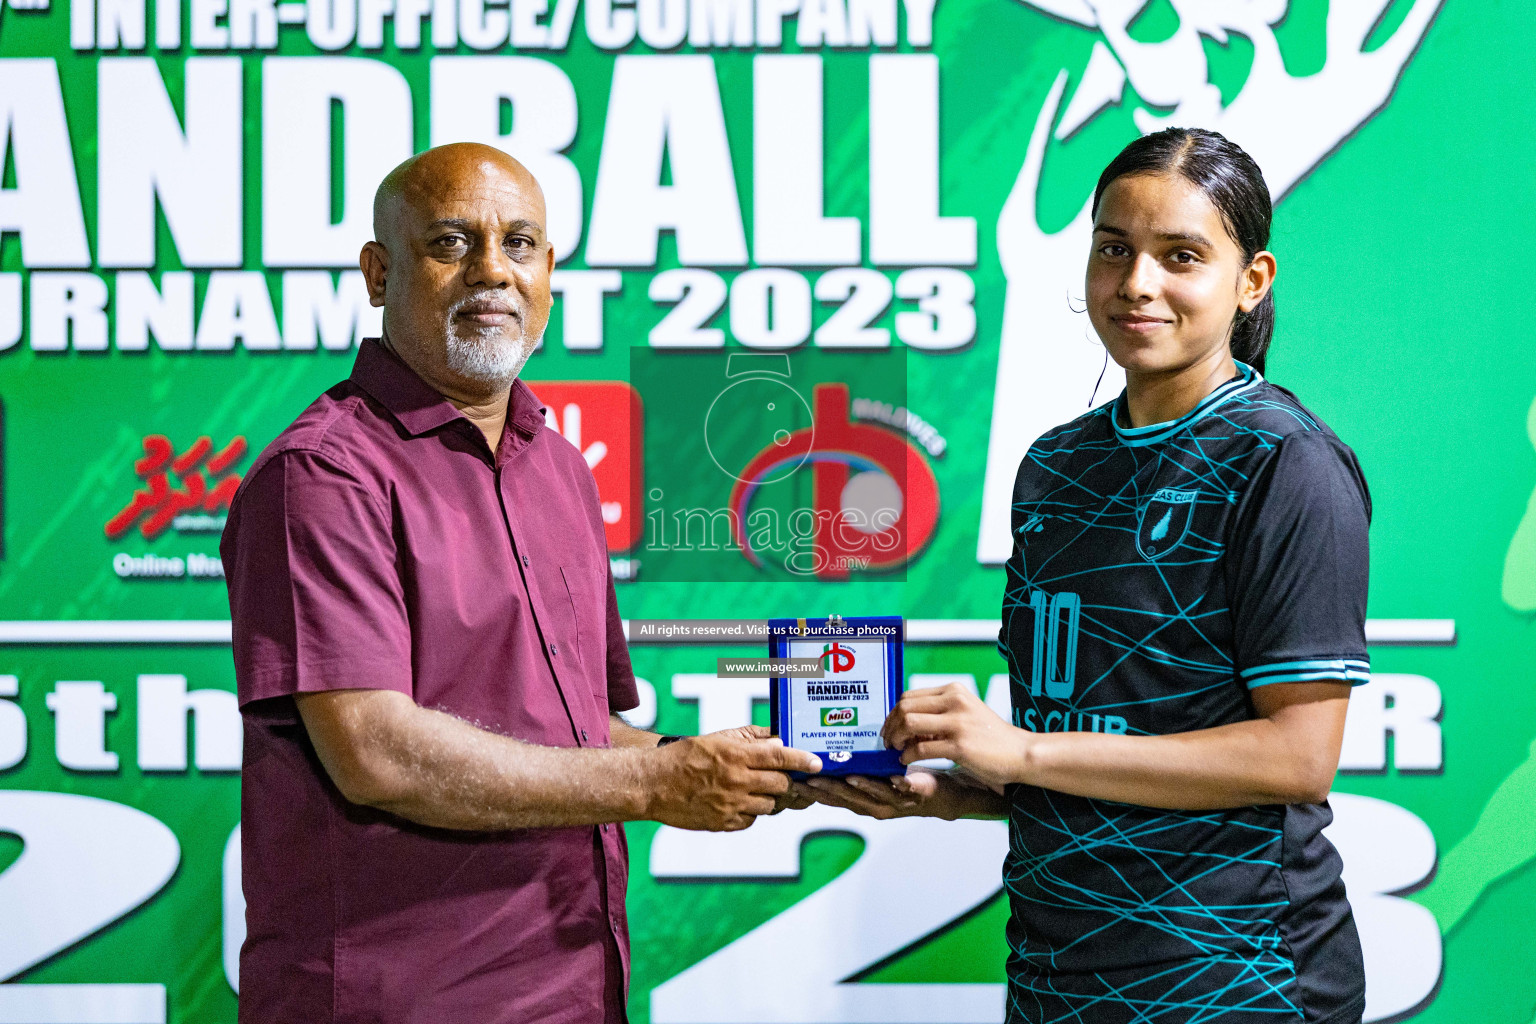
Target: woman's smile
1138	323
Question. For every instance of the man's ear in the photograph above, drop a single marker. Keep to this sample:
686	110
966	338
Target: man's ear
373	261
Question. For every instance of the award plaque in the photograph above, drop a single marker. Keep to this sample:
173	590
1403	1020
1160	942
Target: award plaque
837	714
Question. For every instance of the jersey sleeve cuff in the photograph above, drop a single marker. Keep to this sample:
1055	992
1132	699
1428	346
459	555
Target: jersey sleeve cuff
1353	671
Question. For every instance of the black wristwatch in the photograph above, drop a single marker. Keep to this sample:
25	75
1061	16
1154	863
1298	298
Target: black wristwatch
669	739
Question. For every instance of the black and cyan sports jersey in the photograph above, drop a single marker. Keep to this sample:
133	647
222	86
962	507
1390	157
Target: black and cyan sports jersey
1158	575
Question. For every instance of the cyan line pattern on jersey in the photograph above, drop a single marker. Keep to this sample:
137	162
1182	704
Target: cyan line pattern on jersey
1217	480
1245	988
1234	965
1208	929
1254	983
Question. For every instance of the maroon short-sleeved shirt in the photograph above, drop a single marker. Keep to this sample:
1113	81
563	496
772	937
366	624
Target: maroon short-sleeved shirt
379	544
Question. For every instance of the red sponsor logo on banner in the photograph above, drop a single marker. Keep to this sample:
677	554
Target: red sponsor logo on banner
197	481
602	418
842	451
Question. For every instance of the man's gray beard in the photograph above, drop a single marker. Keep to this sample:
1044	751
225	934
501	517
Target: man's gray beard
485	355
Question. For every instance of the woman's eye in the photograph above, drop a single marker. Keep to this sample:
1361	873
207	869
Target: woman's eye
1114	250
1185	256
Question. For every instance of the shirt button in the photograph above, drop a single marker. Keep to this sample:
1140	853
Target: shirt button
553	650
525	559
583	734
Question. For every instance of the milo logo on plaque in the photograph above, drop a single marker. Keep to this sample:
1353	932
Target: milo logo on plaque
839	716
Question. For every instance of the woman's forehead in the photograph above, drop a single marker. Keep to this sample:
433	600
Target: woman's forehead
1159	205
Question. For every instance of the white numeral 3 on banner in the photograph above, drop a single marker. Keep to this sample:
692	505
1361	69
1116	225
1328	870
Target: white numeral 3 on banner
1387	849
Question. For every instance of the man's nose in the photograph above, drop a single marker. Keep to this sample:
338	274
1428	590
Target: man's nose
488	267
1140	281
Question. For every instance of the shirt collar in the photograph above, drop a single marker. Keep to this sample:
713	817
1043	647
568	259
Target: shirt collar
418	407
1246	379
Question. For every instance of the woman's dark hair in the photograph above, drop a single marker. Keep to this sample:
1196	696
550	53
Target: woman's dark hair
1234	185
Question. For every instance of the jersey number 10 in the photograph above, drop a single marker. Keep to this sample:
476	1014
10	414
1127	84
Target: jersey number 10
1053	669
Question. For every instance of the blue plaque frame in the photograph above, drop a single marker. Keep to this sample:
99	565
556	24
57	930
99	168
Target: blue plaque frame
781	709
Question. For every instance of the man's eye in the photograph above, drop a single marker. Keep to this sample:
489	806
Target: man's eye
1113	250
450	241
1185	256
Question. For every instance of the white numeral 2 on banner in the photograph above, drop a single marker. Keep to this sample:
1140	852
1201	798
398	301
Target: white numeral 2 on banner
84	864
942	869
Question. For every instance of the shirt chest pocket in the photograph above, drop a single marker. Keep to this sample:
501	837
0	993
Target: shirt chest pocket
586	591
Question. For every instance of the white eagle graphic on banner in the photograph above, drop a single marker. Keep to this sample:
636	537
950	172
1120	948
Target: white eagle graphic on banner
1047	364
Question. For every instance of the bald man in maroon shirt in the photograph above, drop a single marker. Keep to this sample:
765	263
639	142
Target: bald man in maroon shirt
429	659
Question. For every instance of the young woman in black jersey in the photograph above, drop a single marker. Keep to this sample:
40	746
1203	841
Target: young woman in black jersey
1183	618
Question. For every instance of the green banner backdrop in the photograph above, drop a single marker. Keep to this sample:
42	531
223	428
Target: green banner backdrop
186	184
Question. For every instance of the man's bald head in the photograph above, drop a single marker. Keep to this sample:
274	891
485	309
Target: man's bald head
461	263
437	173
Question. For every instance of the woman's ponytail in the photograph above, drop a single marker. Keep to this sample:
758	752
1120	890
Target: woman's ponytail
1252	331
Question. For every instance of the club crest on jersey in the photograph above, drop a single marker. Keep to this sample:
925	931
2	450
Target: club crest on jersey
1164	522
